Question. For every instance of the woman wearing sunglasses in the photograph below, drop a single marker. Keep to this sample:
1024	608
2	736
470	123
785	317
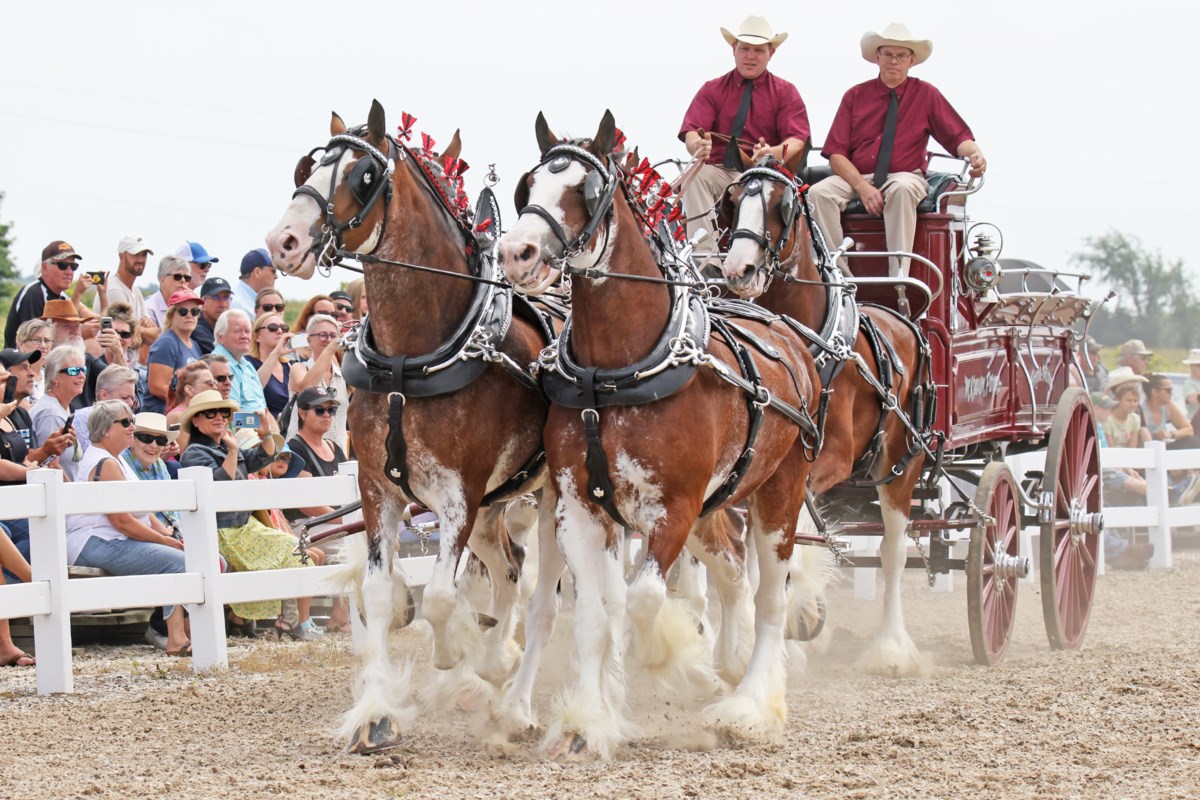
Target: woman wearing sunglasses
66	374
268	301
124	544
245	542
270	355
322	371
174	348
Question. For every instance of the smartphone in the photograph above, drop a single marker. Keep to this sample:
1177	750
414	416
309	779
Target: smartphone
106	323
245	419
69	423
10	388
299	341
97	278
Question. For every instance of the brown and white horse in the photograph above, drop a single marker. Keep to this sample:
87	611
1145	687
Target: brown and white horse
368	196
770	257
653	464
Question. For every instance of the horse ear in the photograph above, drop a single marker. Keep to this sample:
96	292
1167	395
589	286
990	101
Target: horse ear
376	122
454	148
726	208
606	135
545	137
743	159
521	195
336	126
795	159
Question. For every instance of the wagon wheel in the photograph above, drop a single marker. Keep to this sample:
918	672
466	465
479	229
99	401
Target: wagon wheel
993	565
1071	521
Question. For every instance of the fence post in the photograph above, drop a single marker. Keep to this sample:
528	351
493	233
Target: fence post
48	554
358	632
1158	498
201	555
864	577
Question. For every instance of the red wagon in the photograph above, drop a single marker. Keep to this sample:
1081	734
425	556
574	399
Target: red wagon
1003	354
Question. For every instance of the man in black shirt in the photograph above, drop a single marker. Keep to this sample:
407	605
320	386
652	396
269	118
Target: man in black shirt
217	296
59	262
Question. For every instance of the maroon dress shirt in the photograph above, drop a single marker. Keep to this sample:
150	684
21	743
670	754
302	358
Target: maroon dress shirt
776	112
857	129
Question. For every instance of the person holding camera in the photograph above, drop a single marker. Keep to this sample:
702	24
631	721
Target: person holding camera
174	348
271	355
322	370
132	251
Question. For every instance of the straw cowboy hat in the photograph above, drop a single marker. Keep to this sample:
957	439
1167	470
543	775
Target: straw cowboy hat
755	30
1193	356
62	310
149	422
208	399
1122	375
895	35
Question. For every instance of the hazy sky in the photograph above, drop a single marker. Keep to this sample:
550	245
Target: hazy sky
178	121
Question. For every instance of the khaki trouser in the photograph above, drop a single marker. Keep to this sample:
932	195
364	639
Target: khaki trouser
700	198
902	192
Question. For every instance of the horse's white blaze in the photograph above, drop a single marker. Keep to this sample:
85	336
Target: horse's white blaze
892	651
745	253
642	503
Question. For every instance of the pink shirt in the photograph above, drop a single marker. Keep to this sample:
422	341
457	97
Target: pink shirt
776	112
857	129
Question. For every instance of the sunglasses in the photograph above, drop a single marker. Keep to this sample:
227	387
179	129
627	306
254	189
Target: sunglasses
213	413
274	327
150	438
277	308
66	266
321	411
194	311
125	334
182	278
344	307
222	378
124	422
75	372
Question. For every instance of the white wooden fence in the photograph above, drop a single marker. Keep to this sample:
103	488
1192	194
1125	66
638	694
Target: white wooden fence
1157	515
50	597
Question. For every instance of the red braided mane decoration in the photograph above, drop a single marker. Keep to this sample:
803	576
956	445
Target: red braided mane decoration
445	174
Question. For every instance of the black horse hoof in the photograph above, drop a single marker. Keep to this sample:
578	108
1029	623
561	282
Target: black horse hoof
375	737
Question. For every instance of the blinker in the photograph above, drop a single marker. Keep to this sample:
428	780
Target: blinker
558	163
754	186
362	179
593	189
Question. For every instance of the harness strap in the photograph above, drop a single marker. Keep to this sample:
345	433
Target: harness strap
396	467
740	467
600	488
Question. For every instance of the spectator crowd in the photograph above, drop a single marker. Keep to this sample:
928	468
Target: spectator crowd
202	371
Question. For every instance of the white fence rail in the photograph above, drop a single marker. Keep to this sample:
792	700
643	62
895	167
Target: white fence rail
1154	460
50	598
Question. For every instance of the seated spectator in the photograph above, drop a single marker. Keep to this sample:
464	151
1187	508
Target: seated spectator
271	356
357	289
343	306
36	334
322	370
115	383
269	301
317	304
129	332
1122	487
174	275
124	544
218	365
199	262
59	262
1124	426
233	342
1163	419
1191	387
217	296
189	382
12	562
69	330
66	374
245	542
257	273
174	347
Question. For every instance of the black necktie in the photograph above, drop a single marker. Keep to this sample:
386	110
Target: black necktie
732	159
889	138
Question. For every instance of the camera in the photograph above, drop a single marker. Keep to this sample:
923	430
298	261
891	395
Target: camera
245	419
106	323
97	278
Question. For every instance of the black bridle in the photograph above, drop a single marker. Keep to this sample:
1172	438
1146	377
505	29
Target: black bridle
599	189
790	208
369	181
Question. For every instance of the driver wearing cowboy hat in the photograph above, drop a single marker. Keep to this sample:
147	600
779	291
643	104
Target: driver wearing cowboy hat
856	142
759	109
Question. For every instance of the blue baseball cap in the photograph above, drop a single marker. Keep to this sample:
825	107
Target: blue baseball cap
256	258
194	251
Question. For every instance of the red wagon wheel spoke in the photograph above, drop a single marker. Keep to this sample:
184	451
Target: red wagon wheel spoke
993	565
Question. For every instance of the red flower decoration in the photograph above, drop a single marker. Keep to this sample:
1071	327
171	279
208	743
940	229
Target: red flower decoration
427	142
406	123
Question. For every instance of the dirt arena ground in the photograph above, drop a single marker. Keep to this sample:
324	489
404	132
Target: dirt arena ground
1119	719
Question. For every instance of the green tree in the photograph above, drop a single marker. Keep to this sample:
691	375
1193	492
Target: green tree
1155	298
8	270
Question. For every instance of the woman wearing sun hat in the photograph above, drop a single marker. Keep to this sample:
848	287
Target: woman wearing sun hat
245	542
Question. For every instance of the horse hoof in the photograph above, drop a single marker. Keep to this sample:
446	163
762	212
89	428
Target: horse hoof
374	737
572	746
485	622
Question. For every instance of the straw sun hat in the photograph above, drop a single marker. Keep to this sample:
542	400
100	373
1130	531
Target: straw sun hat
208	399
149	422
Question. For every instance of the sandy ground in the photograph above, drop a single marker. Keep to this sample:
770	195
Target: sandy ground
1121	718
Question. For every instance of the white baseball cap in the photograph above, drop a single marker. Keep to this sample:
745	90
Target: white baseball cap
133	244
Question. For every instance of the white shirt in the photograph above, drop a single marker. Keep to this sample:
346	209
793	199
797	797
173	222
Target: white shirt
156	309
118	292
82	527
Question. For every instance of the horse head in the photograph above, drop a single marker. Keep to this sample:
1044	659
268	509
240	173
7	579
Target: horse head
762	212
562	204
341	200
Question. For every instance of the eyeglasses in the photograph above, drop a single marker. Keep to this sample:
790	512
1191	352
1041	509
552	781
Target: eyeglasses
321	411
344	307
223	297
213	413
895	58
274	327
124	422
43	340
278	309
324	337
125	334
150	438
194	311
222	378
182	278
75	372
66	266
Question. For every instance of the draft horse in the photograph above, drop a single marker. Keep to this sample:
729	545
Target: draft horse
877	398
660	412
445	413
